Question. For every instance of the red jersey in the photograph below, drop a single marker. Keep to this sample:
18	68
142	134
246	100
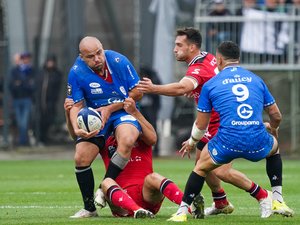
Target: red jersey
202	68
138	167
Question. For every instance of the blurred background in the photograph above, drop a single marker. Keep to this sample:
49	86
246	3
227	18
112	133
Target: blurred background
40	38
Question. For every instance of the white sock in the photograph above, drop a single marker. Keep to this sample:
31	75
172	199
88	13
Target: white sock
277	193
183	208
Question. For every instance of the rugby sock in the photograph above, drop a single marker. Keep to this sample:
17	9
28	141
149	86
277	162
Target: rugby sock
193	187
85	180
112	171
274	171
116	165
257	192
171	191
220	199
121	199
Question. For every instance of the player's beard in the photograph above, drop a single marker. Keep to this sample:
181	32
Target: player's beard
98	67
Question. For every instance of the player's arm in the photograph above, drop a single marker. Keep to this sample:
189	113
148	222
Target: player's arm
106	111
198	131
184	86
68	104
275	118
73	119
148	133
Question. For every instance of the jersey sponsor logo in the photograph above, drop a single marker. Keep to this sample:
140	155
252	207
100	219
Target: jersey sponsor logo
69	89
94	85
244	123
135	159
114	100
213	62
196	71
127	118
96	91
237	79
129	70
122	89
75	67
244	111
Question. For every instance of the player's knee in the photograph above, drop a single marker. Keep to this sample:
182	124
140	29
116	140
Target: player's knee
152	177
106	184
81	160
128	141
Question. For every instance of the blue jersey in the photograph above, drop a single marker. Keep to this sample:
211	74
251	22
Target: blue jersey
239	96
85	84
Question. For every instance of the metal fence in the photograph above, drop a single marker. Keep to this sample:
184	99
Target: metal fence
270	46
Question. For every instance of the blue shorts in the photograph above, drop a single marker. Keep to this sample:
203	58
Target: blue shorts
117	118
221	154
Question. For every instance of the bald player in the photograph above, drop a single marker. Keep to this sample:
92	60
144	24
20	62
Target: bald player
101	79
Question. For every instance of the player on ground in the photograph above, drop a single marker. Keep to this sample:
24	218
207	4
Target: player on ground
239	96
202	67
142	191
101	80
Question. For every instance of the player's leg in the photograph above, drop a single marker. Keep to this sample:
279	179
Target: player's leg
220	204
126	135
120	202
194	185
274	171
85	153
156	187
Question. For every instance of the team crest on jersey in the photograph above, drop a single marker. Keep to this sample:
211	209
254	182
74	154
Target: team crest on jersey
117	59
122	89
69	89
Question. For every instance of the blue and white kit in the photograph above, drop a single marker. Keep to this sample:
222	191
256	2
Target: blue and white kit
85	84
239	96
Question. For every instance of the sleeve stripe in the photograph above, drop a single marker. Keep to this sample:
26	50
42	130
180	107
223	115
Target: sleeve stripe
203	110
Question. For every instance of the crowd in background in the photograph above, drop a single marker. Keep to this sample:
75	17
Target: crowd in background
264	33
34	99
34	92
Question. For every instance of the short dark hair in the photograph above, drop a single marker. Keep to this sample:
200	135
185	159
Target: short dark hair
193	35
229	50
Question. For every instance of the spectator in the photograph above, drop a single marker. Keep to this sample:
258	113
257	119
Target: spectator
296	12
217	31
22	88
150	103
49	85
264	40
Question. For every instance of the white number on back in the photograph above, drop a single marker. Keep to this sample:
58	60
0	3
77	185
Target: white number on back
241	91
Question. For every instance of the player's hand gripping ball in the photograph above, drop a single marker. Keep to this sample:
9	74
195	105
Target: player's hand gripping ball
89	119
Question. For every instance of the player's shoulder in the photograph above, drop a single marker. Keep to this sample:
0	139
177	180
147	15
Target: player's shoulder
114	57
78	66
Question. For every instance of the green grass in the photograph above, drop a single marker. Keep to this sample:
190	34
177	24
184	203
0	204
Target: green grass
46	192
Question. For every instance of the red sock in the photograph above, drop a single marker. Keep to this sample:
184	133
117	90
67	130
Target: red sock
121	199
220	199
171	191
257	192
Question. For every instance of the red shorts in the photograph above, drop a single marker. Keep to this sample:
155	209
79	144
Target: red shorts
136	193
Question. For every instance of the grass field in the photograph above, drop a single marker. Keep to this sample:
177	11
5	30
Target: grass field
46	192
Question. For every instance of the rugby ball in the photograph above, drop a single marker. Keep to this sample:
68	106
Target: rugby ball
89	119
